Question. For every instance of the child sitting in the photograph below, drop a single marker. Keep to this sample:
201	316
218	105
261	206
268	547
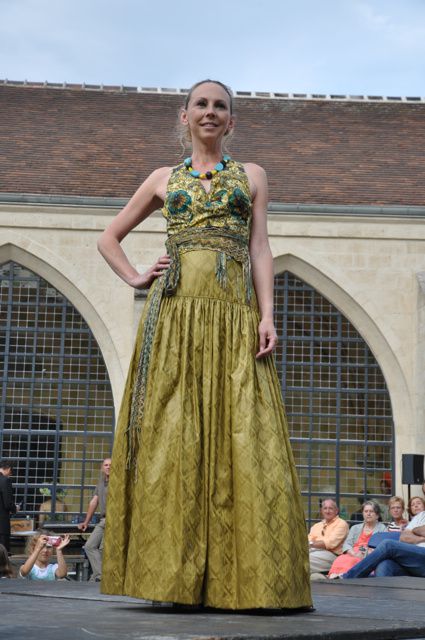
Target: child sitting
39	550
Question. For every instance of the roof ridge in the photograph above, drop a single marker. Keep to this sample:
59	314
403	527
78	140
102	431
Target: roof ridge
238	94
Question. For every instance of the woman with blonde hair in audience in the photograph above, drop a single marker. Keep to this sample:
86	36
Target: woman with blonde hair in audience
396	508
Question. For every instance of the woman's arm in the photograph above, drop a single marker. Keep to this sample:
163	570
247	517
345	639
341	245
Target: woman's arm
352	537
262	260
147	199
62	571
413	536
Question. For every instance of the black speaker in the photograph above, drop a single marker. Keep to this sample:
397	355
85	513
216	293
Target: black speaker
412	468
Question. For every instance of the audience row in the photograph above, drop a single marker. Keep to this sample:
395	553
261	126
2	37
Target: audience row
335	549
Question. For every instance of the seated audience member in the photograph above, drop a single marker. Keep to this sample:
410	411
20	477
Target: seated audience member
94	545
396	509
6	569
355	546
326	537
40	550
415	505
393	558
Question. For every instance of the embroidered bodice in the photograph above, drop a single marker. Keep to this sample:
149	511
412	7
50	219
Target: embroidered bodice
227	205
217	221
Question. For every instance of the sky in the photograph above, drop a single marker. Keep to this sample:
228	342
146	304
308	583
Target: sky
353	47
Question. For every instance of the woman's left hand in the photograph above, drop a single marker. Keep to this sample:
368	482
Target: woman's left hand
268	338
65	541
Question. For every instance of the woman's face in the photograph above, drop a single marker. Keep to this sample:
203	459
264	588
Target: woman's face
208	112
396	511
369	515
416	506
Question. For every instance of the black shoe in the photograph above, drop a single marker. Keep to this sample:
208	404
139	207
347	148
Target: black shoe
187	608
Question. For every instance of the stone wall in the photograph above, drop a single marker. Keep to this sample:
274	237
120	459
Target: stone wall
370	267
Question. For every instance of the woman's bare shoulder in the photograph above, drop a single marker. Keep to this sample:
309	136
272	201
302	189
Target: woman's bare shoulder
257	179
159	180
161	173
254	169
163	170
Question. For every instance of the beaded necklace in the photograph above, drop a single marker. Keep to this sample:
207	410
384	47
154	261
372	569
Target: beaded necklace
208	174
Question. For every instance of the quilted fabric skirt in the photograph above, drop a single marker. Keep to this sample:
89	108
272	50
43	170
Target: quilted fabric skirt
213	513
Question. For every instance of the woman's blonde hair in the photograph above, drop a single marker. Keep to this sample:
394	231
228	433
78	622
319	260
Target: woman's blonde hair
394	500
183	131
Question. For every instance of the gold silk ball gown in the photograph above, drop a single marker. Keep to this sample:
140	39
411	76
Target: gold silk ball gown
204	504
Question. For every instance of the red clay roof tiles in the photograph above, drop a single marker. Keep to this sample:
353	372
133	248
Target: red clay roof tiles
104	143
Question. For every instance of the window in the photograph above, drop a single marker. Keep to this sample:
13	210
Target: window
338	406
56	409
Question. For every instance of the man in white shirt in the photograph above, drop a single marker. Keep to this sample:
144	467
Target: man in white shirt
396	558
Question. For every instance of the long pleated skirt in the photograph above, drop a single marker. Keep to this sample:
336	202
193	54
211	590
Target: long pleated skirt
211	512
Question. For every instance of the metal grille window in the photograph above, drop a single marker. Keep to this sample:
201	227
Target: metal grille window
56	409
338	406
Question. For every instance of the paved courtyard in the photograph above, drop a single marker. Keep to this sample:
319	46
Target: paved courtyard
384	608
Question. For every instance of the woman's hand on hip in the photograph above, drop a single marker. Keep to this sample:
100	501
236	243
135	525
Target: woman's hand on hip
144	280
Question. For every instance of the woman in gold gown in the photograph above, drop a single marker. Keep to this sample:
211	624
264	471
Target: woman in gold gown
204	504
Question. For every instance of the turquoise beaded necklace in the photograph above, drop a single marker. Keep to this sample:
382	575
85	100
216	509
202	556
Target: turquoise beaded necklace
208	174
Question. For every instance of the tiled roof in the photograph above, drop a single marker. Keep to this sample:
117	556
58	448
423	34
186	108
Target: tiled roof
103	142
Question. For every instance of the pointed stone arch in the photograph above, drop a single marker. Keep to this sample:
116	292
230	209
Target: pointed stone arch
326	287
56	408
328	284
49	266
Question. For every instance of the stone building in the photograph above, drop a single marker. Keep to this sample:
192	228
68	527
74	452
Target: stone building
346	223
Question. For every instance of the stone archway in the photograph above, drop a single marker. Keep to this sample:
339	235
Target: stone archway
339	408
49	266
56	408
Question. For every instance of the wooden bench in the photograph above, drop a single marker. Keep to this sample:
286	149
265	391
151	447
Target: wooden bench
77	563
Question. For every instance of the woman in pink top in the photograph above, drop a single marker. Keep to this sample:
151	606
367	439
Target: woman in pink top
355	546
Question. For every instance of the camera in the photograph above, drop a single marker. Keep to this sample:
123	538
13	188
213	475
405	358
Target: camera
53	541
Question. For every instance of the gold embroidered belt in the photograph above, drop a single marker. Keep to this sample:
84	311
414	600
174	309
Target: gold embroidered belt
229	246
